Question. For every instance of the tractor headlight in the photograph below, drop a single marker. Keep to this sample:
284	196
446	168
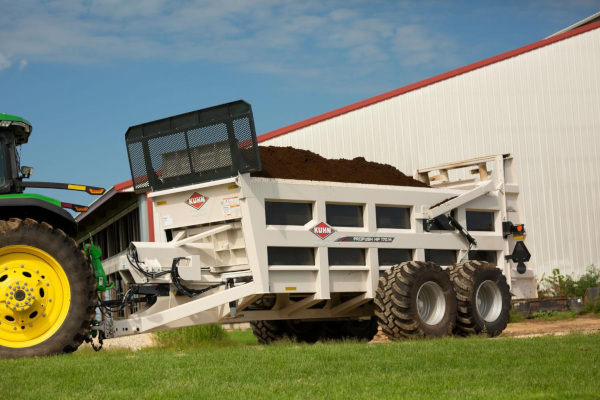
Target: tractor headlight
5	124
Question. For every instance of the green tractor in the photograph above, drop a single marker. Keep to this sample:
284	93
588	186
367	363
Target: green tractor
48	289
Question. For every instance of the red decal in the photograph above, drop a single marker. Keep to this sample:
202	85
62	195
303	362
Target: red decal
196	200
322	230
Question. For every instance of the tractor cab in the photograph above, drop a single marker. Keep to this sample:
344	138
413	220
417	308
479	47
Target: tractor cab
14	203
14	131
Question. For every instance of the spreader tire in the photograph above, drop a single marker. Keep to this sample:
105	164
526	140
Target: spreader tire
47	290
303	331
360	329
483	297
415	299
332	330
267	332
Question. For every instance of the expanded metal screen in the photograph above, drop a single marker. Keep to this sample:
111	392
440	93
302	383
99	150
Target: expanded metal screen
200	146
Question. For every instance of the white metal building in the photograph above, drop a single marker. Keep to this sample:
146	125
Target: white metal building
540	102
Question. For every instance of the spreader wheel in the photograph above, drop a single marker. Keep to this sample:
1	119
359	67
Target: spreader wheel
483	298
303	331
267	332
353	329
414	299
360	329
47	292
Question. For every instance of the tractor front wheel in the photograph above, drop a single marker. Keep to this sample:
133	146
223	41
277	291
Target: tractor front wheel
47	290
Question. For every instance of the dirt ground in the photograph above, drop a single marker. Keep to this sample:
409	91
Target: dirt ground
536	327
134	342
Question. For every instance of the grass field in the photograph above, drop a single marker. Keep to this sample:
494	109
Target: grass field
236	367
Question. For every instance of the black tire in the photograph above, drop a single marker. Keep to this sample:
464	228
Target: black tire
470	276
268	332
396	302
303	331
360	329
81	308
332	330
383	305
354	329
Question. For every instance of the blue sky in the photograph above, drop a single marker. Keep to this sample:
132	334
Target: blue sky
83	71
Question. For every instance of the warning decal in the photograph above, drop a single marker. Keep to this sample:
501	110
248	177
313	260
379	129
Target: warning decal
230	207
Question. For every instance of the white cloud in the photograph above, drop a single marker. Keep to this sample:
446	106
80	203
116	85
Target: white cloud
4	62
22	64
339	39
415	45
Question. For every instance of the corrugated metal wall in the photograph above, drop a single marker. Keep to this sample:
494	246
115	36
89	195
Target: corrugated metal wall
542	106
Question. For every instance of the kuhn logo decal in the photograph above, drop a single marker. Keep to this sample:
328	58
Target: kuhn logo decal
196	200
322	230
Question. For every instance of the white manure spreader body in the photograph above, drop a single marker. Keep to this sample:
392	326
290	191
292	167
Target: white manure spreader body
313	259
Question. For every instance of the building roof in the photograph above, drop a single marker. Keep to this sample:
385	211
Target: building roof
585	21
584	27
123	187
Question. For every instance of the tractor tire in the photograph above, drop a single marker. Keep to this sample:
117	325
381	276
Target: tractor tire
268	332
47	290
415	299
302	331
483	297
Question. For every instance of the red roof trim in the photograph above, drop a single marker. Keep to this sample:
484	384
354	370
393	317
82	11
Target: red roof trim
427	82
119	187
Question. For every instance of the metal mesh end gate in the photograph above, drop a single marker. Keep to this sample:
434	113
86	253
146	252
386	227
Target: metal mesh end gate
199	146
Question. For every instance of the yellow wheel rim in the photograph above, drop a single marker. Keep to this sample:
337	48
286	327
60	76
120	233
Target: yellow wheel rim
34	296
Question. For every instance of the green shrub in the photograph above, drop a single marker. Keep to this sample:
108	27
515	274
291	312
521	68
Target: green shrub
565	286
553	315
192	336
515	317
590	308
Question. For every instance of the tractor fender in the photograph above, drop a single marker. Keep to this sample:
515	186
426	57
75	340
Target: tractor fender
39	210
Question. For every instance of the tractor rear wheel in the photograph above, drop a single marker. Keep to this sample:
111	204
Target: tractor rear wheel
47	290
415	299
483	298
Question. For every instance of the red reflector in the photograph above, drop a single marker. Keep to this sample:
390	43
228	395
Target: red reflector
519	228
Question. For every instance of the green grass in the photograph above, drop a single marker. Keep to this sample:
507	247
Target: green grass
202	336
505	368
554	315
192	336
